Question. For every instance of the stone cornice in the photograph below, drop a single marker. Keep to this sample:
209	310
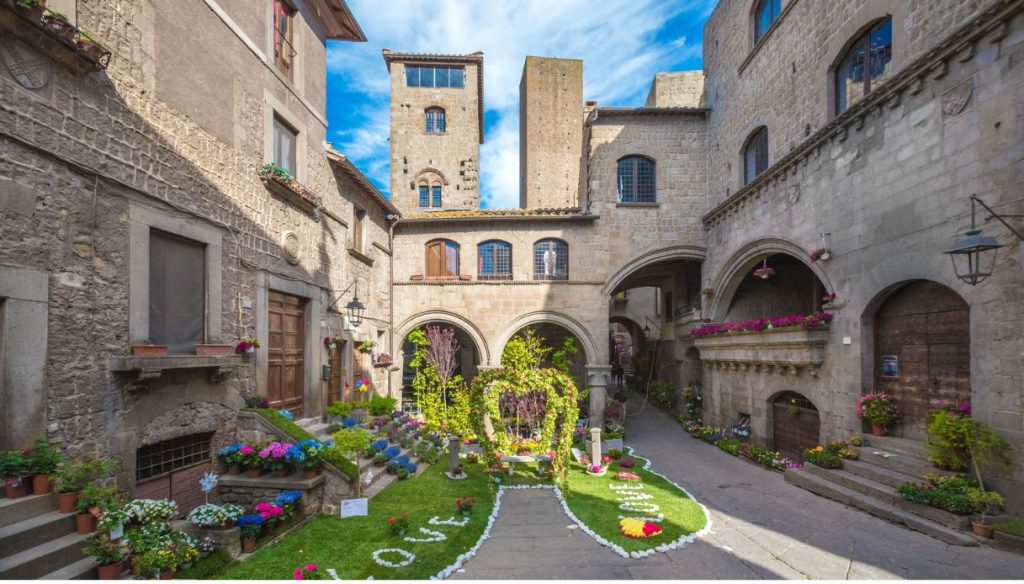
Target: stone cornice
992	23
789	350
501	283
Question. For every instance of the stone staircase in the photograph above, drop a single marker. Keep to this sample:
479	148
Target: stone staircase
870	484
378	478
37	541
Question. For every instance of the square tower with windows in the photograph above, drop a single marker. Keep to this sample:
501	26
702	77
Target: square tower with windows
436	130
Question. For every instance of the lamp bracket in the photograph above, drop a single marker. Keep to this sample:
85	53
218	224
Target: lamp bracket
994	215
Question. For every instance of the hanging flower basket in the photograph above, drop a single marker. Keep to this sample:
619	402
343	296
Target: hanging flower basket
822	254
764	272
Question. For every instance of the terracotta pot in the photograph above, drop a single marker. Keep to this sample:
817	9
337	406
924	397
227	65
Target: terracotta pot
60	28
15	487
214	349
226	525
248	545
85	523
982	529
280	473
67	502
41	485
309	473
878	430
166	575
149	350
254	472
111	571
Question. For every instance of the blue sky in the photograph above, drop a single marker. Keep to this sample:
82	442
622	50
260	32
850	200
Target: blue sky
623	43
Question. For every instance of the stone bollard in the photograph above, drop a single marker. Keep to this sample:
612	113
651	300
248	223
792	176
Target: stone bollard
454	447
595	446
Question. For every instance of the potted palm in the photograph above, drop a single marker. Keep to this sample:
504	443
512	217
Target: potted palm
982	502
879	410
90	503
42	462
13	468
107	554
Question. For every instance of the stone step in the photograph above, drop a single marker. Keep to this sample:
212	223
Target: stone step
306	422
880	474
381	483
22	508
43	559
318	429
905	446
31	532
84	569
837	492
900	462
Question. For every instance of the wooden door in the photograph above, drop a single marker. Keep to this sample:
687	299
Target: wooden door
339	374
922	351
171	470
286	352
796	425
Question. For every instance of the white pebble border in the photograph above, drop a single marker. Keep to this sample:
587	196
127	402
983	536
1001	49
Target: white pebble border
433	536
409	557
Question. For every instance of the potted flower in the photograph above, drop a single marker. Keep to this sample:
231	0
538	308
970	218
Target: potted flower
879	410
464	505
90	46
148	349
232	457
42	461
57	24
107	554
35	8
273	458
333	342
982	502
73	476
14	467
91	502
383	360
307	455
250	527
366	346
160	562
399	526
247	345
380	459
821	253
764	272
213	516
596	470
251	461
270	512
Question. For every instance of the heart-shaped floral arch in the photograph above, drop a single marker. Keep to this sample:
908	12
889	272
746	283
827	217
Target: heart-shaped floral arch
560	407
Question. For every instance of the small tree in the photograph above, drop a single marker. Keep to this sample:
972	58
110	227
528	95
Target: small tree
525	351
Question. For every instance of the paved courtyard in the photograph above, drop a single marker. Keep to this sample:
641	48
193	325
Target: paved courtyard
762	527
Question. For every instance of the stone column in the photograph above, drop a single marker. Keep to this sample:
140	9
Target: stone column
454	446
597	381
595	446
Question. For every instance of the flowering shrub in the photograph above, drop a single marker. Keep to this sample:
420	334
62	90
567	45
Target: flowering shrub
764	457
627	462
268	511
231	455
288	498
465	505
759	324
250	525
392	451
148	511
309	572
246	343
823	457
399	526
878	409
212	515
628	477
250	456
273	455
306	454
954	407
945	492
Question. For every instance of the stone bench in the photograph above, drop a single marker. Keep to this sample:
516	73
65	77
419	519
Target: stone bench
523	458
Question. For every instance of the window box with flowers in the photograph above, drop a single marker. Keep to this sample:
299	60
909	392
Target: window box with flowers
790	341
51	31
281	183
383	360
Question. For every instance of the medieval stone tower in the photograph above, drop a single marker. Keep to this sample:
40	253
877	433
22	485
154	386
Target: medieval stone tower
436	130
550	132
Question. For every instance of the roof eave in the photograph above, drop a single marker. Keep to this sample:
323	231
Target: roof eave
338	21
341	161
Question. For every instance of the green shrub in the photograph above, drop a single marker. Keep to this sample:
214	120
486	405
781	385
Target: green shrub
662	394
340	409
1013	527
73	476
823	457
44	458
955	441
950	493
381	406
729	445
207	568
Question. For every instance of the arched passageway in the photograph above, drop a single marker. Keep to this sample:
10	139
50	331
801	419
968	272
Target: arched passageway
467	360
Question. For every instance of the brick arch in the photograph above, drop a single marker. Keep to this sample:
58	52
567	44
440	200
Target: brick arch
423	318
742	262
590	347
648	258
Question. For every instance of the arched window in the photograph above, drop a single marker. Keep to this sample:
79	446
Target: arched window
755	155
494	260
867	62
430	196
442	259
765	15
435	120
636	180
551	260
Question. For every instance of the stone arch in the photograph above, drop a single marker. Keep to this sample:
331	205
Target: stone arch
794	423
426	174
677	252
423	318
743	261
593	356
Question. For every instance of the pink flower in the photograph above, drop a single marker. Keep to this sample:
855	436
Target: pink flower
246	449
311	568
297	574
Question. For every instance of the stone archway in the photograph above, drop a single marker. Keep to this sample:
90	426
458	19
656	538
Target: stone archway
921	349
588	345
472	352
445	317
795	424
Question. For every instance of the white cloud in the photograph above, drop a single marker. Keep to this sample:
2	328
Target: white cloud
615	39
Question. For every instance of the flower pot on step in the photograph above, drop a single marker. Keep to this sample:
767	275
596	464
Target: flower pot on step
234	469
248	546
85	523
254	473
982	529
111	571
41	484
280	473
15	487
878	430
67	502
308	473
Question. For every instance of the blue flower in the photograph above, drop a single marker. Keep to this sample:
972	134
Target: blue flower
349	422
249	520
229	450
288	498
392	452
410	466
402	459
379	445
286	414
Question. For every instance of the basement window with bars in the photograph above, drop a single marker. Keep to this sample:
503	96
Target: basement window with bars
170	455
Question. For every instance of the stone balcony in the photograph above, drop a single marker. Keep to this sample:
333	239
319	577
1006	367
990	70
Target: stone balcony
785	351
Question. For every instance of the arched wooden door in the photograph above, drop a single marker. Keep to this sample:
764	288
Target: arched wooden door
922	351
796	425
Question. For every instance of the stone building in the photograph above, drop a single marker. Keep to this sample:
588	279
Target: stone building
860	128
134	209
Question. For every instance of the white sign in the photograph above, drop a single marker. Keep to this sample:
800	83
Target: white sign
354	508
117	532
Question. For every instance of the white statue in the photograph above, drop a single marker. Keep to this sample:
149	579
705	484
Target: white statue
550	259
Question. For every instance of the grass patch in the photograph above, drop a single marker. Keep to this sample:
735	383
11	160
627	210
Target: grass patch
206	568
293	430
347	544
1013	527
594	503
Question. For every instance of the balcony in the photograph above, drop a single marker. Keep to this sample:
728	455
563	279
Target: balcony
50	33
779	350
279	182
146	369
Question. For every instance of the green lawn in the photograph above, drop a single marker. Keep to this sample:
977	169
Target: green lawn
1013	527
347	544
594	503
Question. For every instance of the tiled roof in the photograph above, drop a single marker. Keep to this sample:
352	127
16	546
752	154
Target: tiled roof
485	214
647	111
477	58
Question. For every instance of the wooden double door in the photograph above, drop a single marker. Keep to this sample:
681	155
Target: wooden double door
796	425
286	352
923	351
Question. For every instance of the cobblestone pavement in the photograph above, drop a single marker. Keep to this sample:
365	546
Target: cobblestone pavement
762	527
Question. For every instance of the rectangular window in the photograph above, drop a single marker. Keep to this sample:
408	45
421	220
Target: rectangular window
424	196
285	142
359	218
418	76
177	291
284	52
437	196
170	455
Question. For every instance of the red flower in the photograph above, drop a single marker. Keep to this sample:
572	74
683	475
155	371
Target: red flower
405	515
391	521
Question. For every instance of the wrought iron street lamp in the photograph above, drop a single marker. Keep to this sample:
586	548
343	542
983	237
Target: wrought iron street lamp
354	309
974	256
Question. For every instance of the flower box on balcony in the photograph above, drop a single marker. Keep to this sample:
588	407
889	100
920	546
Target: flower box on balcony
793	347
279	182
51	33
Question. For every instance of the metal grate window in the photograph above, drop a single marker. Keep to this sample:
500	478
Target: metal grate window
547	266
494	260
435	120
636	180
170	455
424	196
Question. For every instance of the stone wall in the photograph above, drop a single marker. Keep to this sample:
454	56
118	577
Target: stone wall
682	89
